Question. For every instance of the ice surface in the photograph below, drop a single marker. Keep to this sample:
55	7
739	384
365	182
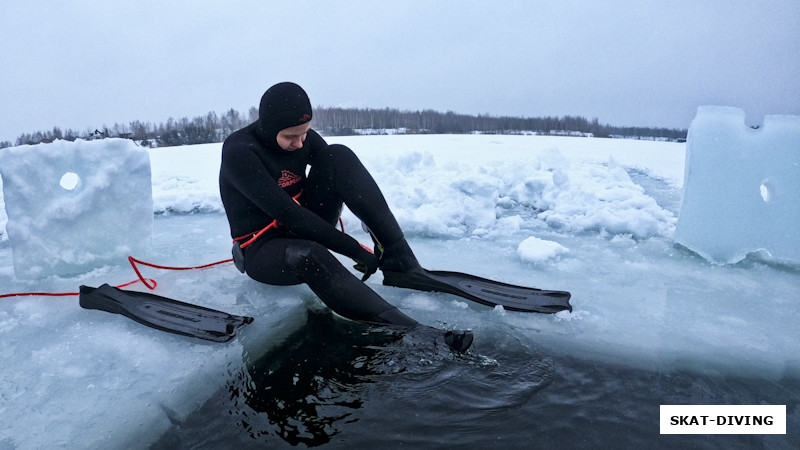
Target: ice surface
75	206
89	379
741	187
185	179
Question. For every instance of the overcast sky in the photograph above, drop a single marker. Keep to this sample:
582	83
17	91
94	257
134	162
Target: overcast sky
85	64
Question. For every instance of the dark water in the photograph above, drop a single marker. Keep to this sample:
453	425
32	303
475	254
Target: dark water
338	384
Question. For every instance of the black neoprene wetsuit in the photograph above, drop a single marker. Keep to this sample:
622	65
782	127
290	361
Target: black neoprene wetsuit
257	182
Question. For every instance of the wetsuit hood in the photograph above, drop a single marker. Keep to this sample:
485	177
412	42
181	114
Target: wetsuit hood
282	106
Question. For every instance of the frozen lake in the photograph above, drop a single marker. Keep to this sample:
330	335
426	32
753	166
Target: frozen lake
652	323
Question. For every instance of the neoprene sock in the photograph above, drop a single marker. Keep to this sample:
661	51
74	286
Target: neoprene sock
398	257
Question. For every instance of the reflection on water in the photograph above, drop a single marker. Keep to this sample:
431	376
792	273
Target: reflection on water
316	384
336	381
303	390
346	385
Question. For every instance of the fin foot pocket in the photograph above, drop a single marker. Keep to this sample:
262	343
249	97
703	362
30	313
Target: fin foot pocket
459	341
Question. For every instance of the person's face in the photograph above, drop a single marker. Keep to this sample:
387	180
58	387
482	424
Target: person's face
292	138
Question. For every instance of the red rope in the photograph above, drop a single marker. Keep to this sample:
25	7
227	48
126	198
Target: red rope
151	283
66	294
135	261
46	294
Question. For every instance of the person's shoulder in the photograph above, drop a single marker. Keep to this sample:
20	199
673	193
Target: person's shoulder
242	137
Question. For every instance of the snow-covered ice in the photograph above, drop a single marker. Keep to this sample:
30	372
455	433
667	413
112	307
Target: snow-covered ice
595	217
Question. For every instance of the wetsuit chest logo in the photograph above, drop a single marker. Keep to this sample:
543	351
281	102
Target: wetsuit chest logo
288	178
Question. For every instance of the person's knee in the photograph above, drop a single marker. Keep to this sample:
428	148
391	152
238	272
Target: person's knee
334	155
340	150
307	254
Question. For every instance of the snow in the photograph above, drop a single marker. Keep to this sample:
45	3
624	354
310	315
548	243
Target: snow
471	186
742	186
595	217
185	179
537	250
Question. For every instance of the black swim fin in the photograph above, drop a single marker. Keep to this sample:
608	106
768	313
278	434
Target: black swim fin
481	290
164	313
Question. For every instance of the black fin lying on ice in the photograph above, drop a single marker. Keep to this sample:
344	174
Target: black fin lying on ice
481	290
164	313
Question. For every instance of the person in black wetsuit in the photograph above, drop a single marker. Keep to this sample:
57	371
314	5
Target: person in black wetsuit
264	167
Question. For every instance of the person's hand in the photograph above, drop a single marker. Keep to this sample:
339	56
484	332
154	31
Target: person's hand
367	263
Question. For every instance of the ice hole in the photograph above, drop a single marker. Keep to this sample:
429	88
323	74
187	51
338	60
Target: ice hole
766	193
69	181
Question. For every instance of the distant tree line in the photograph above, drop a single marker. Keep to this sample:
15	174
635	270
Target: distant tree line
349	121
343	121
200	130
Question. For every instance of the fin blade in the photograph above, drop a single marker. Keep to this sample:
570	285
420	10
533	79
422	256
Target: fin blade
481	290
164	313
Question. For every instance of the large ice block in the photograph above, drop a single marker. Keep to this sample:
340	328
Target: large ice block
741	187
75	206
